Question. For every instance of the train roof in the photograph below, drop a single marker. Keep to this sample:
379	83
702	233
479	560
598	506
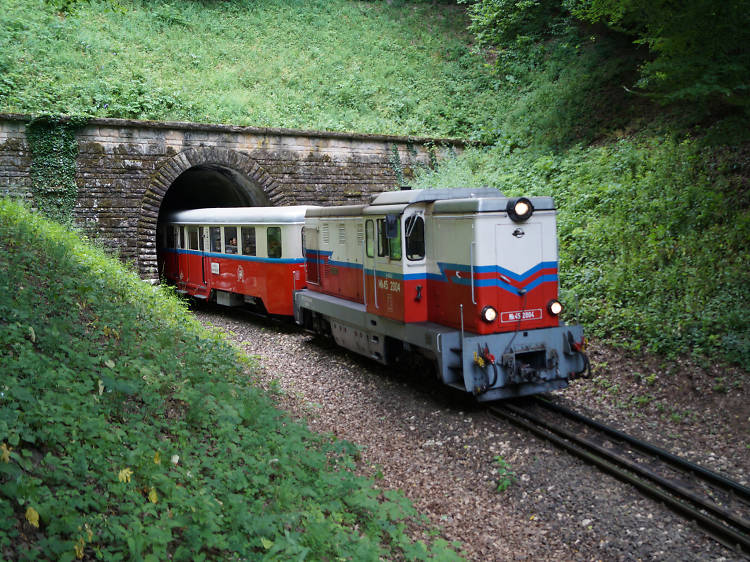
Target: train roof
458	200
241	215
396	201
488	205
429	195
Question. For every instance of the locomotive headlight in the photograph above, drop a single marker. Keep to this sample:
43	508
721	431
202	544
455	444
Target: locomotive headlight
489	314
554	307
519	209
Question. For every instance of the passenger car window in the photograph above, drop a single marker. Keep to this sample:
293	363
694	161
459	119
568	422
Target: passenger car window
193	237
248	240
230	239
273	238
215	235
172	237
414	238
183	239
370	238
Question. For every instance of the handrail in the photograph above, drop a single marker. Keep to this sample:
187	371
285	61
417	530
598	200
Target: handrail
471	268
364	273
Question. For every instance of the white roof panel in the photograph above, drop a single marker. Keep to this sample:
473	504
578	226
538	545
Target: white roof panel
488	205
427	195
241	215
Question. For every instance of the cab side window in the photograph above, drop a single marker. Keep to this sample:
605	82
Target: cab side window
370	238
390	247
273	238
394	246
382	239
414	238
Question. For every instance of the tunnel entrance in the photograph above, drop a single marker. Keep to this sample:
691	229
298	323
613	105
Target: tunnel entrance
211	186
207	185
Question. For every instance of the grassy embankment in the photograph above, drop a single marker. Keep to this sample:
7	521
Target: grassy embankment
127	431
397	68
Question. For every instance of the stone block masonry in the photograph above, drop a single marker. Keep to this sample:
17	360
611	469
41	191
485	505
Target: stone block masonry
124	169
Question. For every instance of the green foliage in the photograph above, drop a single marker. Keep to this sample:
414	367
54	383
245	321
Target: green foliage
508	22
653	236
696	49
53	164
699	48
127	431
558	82
505	475
399	68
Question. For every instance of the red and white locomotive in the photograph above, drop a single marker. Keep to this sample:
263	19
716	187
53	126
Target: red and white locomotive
464	277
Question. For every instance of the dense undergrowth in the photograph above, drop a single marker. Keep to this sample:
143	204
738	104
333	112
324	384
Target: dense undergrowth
127	431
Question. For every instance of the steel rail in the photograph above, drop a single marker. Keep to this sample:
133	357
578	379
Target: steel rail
602	458
742	524
714	477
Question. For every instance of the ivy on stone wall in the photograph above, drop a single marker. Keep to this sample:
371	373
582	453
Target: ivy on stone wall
52	141
397	166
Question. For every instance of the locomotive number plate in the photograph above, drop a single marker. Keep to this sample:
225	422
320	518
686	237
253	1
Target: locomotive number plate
533	314
389	285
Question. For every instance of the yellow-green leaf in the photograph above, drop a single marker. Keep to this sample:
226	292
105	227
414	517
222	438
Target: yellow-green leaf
124	475
32	516
153	497
266	543
78	547
5	453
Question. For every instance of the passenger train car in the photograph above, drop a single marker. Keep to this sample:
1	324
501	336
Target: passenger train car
466	278
237	255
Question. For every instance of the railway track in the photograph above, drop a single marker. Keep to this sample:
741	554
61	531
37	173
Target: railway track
721	507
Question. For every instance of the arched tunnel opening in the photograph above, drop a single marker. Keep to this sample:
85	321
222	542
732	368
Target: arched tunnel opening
203	186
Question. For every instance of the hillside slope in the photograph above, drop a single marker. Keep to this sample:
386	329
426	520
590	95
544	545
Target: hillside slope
127	431
376	67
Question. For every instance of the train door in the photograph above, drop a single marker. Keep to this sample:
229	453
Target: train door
311	249
194	262
384	266
203	249
182	258
415	267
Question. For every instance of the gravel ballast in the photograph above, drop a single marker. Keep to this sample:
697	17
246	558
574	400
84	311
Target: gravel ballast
442	449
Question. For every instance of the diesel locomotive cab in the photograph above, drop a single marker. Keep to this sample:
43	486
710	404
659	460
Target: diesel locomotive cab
465	277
